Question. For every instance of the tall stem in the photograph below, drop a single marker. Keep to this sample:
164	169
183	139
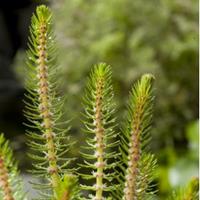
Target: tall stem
99	139
45	104
140	107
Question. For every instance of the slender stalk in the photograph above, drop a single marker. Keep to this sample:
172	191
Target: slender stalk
134	153
99	141
99	123
44	104
4	180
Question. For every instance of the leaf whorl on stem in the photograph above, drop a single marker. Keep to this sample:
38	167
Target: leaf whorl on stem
138	173
44	109
99	124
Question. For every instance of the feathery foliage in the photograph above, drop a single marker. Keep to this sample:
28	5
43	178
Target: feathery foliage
117	166
101	141
47	138
138	164
10	183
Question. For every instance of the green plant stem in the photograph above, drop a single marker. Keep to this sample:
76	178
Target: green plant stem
44	105
99	139
134	153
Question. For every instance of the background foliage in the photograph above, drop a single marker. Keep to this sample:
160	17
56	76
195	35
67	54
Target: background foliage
136	37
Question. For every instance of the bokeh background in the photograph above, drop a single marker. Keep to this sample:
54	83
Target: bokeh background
134	37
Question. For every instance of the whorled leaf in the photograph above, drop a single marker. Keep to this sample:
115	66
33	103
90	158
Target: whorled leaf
100	156
47	134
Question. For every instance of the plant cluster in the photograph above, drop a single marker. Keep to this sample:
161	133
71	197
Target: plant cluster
137	37
118	165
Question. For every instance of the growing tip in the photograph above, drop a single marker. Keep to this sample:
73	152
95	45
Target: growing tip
148	77
102	68
43	12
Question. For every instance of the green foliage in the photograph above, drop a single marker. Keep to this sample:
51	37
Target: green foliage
138	165
47	137
116	165
67	188
46	142
99	125
101	158
136	37
10	182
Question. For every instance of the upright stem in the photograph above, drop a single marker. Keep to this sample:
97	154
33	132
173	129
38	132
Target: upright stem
44	104
130	192
99	141
4	181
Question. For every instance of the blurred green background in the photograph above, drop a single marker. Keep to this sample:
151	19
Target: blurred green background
134	37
